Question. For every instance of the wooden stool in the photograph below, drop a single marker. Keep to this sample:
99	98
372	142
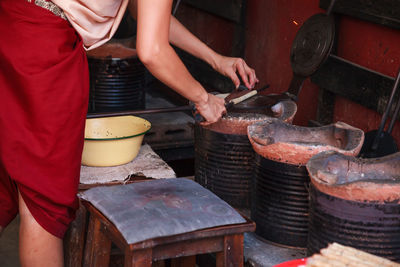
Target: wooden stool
226	240
75	238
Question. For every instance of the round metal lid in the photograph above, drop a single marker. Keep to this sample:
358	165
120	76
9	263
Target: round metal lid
312	44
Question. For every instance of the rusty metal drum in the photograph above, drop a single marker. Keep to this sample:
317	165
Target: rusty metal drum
355	202
224	157
280	205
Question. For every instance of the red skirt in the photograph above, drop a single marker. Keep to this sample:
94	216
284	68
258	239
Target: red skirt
44	85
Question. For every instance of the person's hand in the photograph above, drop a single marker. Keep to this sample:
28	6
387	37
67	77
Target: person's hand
211	109
230	66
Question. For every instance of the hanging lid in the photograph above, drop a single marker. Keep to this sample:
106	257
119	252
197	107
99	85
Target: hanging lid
312	44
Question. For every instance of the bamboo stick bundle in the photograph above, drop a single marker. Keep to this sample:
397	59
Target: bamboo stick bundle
336	255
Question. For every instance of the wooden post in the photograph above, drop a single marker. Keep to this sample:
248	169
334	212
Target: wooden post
138	258
74	241
98	245
232	255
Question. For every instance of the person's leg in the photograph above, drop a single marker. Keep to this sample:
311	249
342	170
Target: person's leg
37	247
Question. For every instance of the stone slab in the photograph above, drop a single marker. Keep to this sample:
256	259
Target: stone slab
147	164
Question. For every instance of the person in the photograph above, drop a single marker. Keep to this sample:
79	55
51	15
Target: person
156	29
44	85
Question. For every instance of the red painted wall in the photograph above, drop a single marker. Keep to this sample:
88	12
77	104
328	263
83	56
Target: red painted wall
270	30
375	47
217	33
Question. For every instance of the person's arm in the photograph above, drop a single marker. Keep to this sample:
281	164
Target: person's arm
156	53
228	66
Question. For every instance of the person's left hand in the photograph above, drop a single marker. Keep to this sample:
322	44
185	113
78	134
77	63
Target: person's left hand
230	66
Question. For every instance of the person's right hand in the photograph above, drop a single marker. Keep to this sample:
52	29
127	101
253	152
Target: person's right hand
212	109
231	67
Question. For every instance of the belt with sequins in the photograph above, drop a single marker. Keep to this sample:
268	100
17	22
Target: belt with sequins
50	6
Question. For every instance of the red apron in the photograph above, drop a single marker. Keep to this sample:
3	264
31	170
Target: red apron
44	85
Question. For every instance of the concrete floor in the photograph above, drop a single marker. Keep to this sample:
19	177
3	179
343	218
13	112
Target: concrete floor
9	245
259	252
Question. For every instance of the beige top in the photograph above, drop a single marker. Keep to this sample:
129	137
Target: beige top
95	20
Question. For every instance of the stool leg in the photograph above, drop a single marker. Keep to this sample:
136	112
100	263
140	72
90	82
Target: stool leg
98	245
232	255
74	241
138	258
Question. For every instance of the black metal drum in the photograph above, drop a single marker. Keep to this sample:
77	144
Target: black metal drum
117	79
371	227
280	202
224	164
355	202
224	157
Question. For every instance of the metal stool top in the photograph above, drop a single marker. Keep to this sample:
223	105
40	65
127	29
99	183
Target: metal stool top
159	208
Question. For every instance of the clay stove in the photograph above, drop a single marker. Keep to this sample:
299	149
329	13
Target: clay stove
355	202
223	154
280	201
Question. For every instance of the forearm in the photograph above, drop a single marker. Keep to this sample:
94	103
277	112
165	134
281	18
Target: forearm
154	50
156	53
228	66
174	32
184	39
169	69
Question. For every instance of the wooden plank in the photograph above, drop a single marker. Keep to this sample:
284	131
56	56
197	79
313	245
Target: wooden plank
361	85
326	104
98	246
232	255
239	40
326	99
188	248
228	9
384	12
248	226
74	241
138	258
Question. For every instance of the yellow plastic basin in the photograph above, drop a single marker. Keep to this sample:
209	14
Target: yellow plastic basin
113	141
